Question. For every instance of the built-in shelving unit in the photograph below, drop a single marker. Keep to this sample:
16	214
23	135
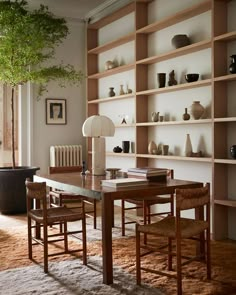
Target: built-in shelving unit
218	119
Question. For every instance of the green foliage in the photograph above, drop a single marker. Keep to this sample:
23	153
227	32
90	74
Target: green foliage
27	42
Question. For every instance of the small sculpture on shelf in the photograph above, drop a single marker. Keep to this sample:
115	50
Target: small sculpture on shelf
122	92
124	117
232	67
161	79
186	116
128	90
172	80
111	92
155	116
109	65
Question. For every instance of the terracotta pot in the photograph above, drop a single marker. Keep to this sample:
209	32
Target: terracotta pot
197	110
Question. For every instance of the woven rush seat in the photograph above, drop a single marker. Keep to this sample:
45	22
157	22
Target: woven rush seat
166	227
151	200
56	214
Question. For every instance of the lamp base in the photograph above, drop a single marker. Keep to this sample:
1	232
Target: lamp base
98	156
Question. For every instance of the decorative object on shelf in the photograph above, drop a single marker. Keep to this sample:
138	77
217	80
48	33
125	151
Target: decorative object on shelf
109	65
165	149
186	115
193	77
197	154
128	90
233	151
172	80
161	118
123	120
161	78
111	92
122	92
152	148
98	127
155	116
125	146
180	40
113	172
232	67
117	149
188	146
197	110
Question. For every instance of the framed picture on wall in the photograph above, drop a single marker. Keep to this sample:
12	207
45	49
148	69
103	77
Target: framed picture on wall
55	111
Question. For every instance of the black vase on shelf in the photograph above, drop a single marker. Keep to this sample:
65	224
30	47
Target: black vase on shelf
232	67
233	151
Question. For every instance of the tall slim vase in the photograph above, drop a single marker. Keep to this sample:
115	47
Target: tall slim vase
188	146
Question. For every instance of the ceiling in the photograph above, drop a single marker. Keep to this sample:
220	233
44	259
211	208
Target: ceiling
68	8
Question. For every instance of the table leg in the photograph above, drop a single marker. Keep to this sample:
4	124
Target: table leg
107	219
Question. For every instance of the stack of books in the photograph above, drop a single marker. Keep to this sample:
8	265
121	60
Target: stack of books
151	174
123	182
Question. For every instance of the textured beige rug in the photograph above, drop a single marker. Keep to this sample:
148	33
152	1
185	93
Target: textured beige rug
15	263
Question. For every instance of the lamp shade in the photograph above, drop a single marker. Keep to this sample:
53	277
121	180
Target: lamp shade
96	126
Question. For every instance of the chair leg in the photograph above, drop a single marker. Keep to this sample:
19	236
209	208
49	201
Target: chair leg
208	254
170	254
45	247
84	241
29	238
178	266
123	217
65	237
138	262
145	209
95	214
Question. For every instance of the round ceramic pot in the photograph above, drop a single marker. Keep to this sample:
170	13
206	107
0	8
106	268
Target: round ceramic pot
197	110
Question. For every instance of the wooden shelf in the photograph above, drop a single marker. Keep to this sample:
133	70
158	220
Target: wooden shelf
109	99
227	203
114	71
224	120
201	83
177	52
113	44
231	77
125	125
120	154
176	158
168	123
176	18
225	161
231	36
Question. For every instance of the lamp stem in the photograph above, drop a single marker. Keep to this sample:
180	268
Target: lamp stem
98	156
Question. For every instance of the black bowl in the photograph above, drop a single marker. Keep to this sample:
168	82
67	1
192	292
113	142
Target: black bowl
191	77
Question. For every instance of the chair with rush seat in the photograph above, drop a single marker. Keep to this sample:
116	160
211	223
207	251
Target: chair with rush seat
178	228
63	198
41	217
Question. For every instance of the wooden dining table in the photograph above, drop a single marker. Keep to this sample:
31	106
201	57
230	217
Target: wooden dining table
90	186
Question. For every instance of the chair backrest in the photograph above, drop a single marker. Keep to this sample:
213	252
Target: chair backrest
36	191
64	169
192	198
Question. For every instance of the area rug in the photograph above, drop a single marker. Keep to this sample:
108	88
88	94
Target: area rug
18	275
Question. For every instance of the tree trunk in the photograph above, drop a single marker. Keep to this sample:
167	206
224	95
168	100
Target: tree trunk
13	128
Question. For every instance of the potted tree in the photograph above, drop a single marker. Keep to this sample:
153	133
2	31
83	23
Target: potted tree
28	40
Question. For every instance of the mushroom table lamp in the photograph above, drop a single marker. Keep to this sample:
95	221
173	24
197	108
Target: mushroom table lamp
98	127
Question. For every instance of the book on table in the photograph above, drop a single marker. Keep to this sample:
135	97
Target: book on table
124	182
152	174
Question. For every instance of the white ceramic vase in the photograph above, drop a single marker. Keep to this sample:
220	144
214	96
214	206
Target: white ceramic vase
188	146
152	148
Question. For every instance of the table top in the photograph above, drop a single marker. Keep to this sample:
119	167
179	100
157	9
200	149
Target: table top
90	186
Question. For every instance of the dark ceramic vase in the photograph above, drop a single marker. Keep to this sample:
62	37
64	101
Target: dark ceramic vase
232	67
233	151
125	146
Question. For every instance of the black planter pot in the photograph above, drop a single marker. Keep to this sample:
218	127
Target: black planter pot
12	188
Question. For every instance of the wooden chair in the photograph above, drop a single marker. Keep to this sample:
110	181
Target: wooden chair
145	205
44	217
62	198
178	228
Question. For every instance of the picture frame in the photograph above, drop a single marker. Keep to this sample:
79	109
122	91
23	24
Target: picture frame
56	111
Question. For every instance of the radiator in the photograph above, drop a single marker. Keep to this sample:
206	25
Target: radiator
65	155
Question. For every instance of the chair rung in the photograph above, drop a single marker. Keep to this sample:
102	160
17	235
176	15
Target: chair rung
158	272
